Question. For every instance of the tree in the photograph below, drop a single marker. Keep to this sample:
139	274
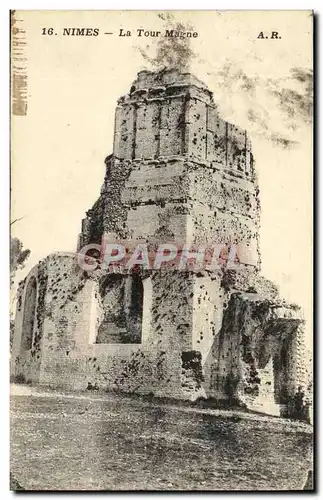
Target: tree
18	257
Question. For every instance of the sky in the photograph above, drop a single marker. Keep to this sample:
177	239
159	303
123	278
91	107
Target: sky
73	83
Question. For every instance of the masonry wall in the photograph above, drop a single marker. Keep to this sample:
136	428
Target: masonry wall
68	354
178	174
200	338
258	352
27	356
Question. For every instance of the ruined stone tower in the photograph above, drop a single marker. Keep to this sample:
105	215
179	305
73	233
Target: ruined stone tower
178	173
177	170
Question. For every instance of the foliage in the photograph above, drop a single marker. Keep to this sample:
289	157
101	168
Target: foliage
18	257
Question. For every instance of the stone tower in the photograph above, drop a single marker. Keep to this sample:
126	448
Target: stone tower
178	174
177	170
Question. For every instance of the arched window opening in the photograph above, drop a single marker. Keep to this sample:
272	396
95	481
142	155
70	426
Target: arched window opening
122	302
29	315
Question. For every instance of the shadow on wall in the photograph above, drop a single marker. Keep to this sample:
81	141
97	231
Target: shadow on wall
121	298
253	359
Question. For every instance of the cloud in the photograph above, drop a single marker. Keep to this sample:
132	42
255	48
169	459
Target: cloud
275	108
169	52
296	103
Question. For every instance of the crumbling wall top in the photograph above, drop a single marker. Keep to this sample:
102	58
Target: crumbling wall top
151	79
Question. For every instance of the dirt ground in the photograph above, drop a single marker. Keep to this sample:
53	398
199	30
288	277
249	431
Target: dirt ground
108	442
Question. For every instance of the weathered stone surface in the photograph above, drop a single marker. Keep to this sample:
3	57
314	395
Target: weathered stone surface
178	173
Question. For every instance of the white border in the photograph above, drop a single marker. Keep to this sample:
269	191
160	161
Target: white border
4	172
